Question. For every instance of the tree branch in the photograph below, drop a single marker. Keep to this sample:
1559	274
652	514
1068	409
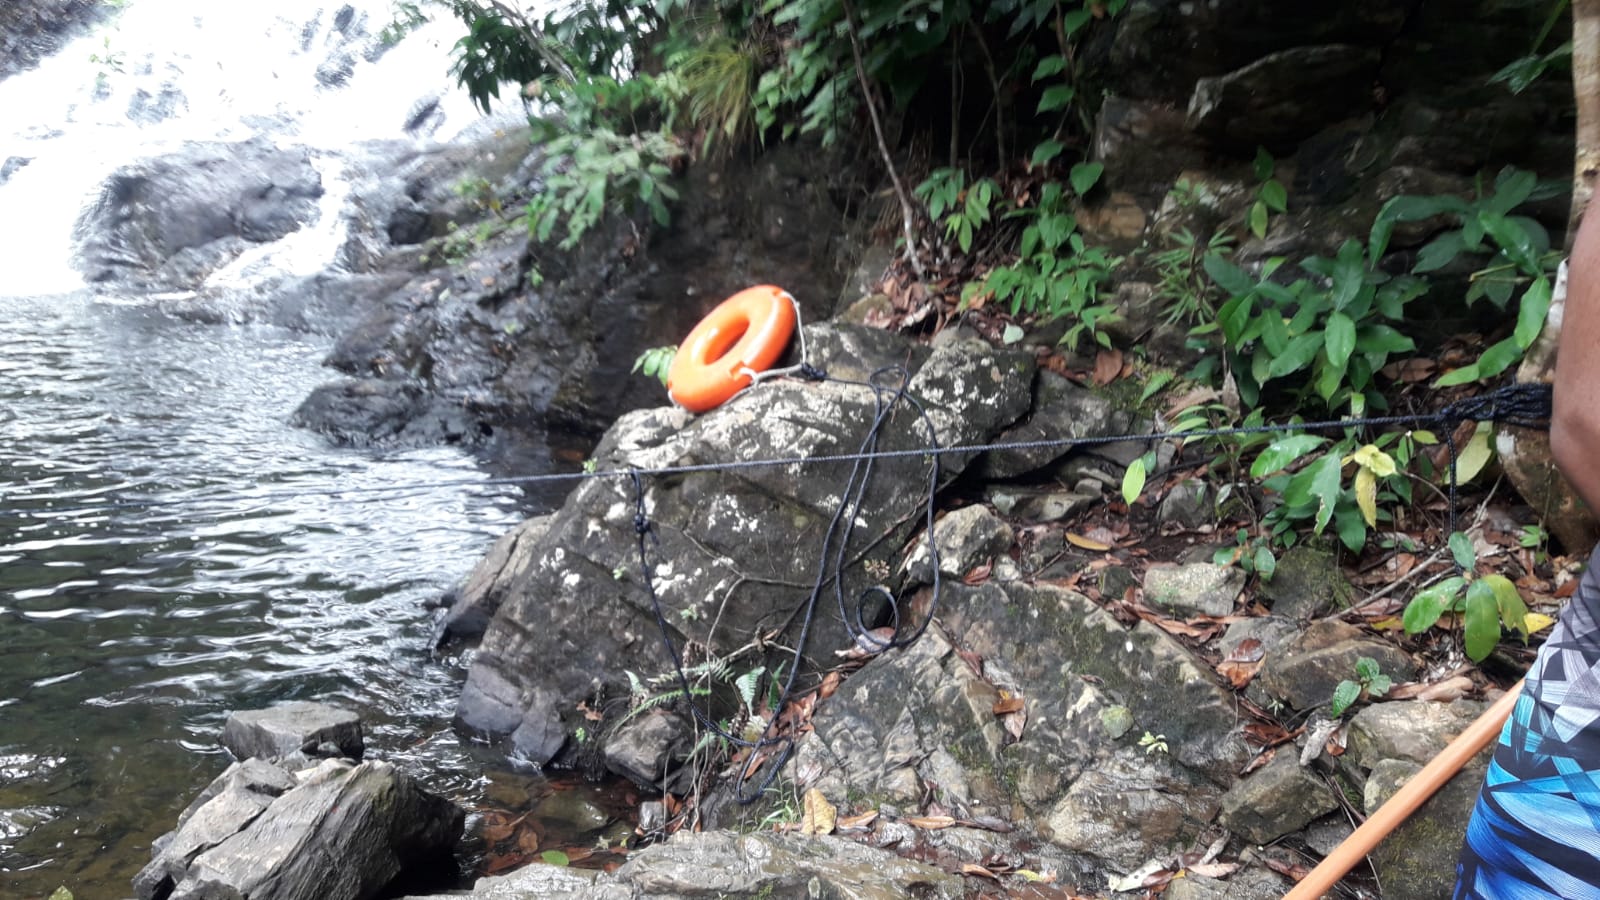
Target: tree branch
907	211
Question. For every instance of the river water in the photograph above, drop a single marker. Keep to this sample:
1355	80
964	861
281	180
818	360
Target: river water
170	549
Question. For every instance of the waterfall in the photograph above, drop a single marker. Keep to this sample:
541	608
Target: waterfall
157	74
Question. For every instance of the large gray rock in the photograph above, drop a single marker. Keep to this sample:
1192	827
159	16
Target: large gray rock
922	719
1284	97
33	29
1277	799
298	726
733	553
487	585
334	832
152	212
1061	409
1306	672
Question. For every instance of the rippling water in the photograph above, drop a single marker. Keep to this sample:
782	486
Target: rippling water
170	550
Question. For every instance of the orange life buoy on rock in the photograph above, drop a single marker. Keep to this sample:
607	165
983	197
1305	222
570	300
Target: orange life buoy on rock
745	334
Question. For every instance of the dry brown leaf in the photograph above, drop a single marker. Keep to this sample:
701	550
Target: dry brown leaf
860	820
1087	543
980	871
1008	703
869	644
1215	869
497	826
1107	366
1447	690
819	816
830	683
1241	665
978	575
1260	760
932	823
528	841
1194	397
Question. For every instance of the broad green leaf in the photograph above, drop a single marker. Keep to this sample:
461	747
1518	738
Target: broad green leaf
1382	339
1427	606
1325	487
1349	274
1263	164
1462	552
1264	562
1050	65
1475	455
1258	219
1284	451
1367	495
1084	176
1274	196
1011	335
555	858
1367	668
1511	188
1379	685
1425	438
1339	338
1299	354
1351	530
1463	375
1513	611
1439	252
1481	621
1056	97
1345	694
1046	151
1513	240
1133	481
1228	276
1532	311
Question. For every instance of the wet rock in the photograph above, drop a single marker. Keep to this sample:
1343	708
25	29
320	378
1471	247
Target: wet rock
724	864
363	412
490	581
574	811
648	747
340	832
203	193
1061	410
1284	97
11	165
582	616
1307	583
966	538
1277	799
296	726
1305	674
1033	505
1201	589
31	31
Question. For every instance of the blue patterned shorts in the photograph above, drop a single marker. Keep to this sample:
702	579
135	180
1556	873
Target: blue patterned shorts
1535	832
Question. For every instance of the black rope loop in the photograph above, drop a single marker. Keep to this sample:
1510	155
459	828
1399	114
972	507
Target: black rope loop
1527	405
811	373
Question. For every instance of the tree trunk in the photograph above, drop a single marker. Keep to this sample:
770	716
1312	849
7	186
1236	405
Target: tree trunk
1524	453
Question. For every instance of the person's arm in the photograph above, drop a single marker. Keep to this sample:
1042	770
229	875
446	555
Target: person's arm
1575	424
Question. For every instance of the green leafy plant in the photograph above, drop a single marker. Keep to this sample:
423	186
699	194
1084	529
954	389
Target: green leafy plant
1271	197
1182	285
1056	274
656	362
1522	72
1369	682
1252	554
587	175
1484	602
1326	334
1518	255
962	209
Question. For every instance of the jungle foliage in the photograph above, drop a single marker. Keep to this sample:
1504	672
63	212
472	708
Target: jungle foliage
623	91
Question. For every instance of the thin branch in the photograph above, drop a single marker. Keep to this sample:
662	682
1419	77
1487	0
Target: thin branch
999	97
907	211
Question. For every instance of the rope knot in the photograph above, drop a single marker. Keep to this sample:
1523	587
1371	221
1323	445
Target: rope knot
812	373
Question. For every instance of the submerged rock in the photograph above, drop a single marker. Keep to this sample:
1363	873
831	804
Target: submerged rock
298	726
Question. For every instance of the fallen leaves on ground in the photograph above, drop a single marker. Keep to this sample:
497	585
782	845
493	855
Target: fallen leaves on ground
1242	663
819	816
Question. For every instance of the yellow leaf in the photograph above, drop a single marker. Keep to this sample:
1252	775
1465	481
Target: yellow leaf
1367	495
1537	622
1475	455
1078	540
1372	459
820	816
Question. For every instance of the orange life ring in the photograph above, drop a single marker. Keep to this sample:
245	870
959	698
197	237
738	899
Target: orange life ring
746	333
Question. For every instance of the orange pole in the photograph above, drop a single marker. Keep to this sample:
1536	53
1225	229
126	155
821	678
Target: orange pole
1406	800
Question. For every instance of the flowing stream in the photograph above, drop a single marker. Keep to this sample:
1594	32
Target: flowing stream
170	549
